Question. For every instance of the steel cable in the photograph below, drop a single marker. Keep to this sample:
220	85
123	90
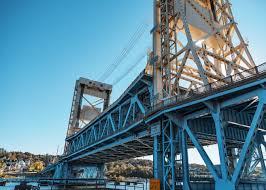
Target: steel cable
130	45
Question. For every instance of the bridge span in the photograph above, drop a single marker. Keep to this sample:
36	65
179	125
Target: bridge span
200	87
133	127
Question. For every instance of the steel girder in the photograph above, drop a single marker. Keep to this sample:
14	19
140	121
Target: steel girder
223	177
199	115
169	146
132	146
204	130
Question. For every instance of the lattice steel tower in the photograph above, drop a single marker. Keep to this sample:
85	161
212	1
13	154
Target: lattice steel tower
196	42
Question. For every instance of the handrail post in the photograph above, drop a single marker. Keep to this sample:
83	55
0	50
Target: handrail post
256	69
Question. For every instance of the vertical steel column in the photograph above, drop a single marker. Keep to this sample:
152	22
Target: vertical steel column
157	76
106	102
169	154
63	170
157	159
100	171
168	45
218	121
82	86
185	164
172	154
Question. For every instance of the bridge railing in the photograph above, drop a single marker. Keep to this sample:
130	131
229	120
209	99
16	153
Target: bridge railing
224	83
93	183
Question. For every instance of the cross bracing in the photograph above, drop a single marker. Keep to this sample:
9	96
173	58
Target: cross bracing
237	104
108	125
129	110
199	43
135	140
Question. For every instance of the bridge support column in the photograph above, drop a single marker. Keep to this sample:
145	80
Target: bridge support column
89	171
185	164
65	170
100	171
157	159
169	147
62	170
223	180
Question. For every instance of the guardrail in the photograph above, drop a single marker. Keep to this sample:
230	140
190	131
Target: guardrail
92	183
18	180
224	83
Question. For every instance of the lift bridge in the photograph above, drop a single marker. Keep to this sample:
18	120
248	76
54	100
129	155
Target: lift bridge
200	87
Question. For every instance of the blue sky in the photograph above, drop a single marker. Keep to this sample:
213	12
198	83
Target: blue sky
46	45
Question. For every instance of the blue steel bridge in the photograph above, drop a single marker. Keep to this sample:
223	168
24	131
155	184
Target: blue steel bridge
199	89
125	129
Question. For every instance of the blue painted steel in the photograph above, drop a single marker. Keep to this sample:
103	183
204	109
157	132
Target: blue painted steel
219	128
201	151
121	141
205	99
185	164
123	131
129	113
155	157
260	144
250	136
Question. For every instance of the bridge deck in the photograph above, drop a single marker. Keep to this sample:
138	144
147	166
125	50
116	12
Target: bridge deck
130	137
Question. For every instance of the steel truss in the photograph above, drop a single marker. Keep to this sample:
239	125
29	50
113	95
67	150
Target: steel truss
206	96
175	156
169	144
199	120
250	150
200	44
256	158
84	87
122	116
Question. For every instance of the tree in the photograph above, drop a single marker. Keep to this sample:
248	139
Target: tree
36	166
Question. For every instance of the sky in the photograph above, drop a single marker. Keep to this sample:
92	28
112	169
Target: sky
46	45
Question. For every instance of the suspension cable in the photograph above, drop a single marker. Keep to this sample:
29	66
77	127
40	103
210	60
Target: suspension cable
130	45
132	66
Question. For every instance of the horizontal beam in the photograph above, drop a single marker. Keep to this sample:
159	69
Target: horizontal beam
116	143
207	98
